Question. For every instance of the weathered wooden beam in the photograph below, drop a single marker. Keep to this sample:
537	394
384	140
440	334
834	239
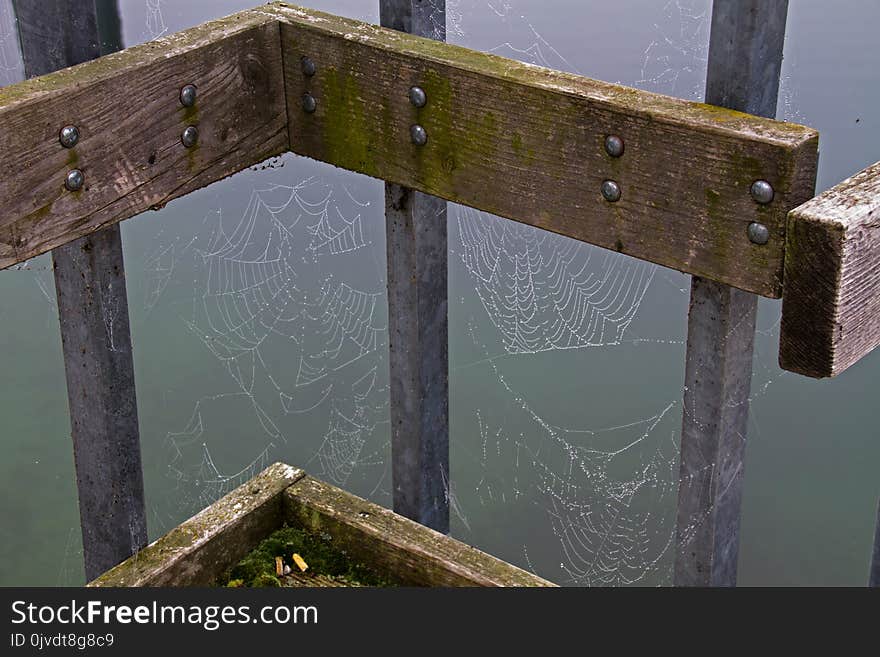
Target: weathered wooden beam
684	175
874	575
745	58
418	323
197	552
528	143
407	552
831	304
93	315
130	119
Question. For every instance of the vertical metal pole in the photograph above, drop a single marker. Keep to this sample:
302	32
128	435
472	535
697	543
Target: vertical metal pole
417	319
93	313
874	575
745	60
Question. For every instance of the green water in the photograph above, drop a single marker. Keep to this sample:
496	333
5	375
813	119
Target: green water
258	317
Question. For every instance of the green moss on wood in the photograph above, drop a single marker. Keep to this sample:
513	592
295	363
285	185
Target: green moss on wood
257	569
347	133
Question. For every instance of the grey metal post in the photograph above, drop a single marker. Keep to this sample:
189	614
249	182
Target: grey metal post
874	576
417	319
745	60
93	313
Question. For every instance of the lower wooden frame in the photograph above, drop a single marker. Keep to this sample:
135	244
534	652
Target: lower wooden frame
199	551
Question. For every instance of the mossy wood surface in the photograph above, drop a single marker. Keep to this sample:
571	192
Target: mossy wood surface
203	549
398	548
831	306
198	551
509	138
527	143
127	108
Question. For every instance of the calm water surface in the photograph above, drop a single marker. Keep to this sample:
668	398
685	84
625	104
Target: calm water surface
259	323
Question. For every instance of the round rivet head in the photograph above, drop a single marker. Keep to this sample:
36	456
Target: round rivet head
758	233
188	95
417	96
308	67
614	145
74	180
309	103
610	191
418	135
68	136
190	136
761	191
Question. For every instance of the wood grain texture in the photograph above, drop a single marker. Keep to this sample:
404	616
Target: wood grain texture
394	546
526	143
831	303
93	314
127	109
198	551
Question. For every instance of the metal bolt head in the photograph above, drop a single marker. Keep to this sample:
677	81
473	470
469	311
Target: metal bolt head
309	103
614	145
188	95
308	67
417	96
610	191
418	135
190	136
761	191
68	136
74	180
758	233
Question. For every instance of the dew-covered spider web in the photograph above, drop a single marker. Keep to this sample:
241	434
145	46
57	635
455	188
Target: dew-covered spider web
284	291
260	322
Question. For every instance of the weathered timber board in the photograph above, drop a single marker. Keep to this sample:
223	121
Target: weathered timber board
831	305
296	580
394	546
126	106
526	143
197	552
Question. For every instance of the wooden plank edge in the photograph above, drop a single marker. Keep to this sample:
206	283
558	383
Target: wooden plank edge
399	548
197	551
657	107
124	61
831	294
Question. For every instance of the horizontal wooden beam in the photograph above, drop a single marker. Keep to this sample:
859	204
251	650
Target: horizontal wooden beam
198	551
130	119
527	143
831	305
509	138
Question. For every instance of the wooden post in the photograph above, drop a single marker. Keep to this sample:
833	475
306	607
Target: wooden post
93	313
745	59
417	319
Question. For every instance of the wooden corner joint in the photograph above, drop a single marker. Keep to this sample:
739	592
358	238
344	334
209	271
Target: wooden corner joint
683	172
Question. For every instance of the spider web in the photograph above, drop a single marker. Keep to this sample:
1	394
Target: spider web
265	290
279	287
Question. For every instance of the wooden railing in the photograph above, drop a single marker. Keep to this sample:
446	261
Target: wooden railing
706	189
